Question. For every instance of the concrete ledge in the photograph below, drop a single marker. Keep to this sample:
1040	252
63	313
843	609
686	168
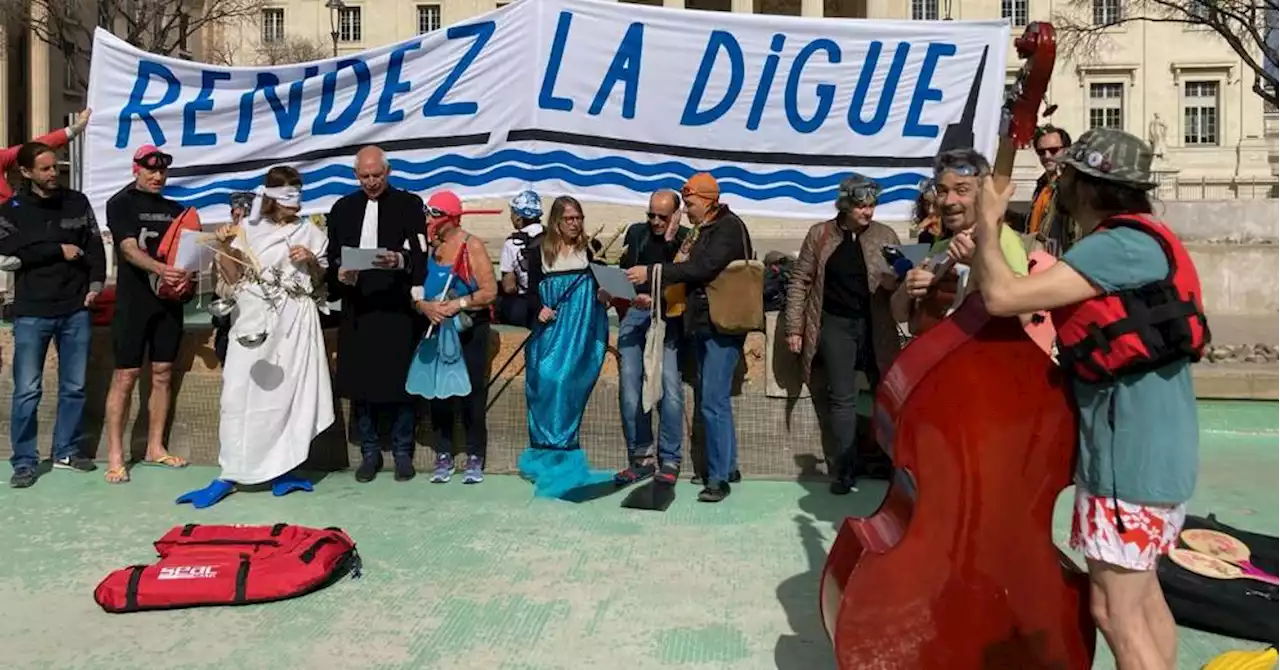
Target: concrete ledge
779	430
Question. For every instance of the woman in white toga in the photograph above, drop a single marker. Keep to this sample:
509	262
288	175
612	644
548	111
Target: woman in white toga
276	393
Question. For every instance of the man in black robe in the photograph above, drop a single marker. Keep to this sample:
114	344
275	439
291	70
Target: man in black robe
379	328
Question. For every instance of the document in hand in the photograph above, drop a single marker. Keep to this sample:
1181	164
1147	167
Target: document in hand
194	251
614	282
354	258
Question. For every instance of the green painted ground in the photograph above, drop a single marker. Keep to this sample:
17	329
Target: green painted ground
483	577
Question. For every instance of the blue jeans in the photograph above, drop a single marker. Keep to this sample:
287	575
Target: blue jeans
717	361
368	415
31	336
637	424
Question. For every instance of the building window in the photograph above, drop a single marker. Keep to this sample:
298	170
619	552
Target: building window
1200	113
69	66
1106	12
349	24
1106	106
272	25
428	18
1015	11
924	10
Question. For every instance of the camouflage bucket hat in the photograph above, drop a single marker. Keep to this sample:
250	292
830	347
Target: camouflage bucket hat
1113	155
857	190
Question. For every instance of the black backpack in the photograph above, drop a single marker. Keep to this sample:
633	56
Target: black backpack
1239	608
524	242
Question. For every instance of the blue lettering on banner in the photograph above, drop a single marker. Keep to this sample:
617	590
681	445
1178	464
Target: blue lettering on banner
856	123
720	40
826	93
766	81
391	85
625	68
202	103
924	93
435	105
286	117
143	110
547	98
328	91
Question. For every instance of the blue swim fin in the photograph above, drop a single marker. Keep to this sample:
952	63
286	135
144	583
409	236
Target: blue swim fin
209	495
288	483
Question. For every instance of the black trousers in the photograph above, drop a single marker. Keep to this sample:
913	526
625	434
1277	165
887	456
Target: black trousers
842	342
474	406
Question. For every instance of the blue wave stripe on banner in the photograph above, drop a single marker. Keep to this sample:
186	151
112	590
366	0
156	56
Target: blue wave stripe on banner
423	186
565	159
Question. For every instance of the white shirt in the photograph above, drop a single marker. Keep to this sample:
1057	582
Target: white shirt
508	260
369	228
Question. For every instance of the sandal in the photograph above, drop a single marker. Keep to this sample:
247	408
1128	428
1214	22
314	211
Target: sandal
167	461
118	475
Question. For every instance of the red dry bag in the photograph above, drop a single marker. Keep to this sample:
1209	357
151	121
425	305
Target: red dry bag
231	565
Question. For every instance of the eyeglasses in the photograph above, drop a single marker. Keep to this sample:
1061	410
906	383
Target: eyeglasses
1048	151
436	213
862	195
655	215
155	161
572	217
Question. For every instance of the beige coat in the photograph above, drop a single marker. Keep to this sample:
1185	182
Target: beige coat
803	315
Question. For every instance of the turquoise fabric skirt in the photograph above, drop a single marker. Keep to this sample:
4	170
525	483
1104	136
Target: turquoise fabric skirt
563	361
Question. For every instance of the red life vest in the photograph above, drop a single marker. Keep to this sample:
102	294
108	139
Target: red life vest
1138	329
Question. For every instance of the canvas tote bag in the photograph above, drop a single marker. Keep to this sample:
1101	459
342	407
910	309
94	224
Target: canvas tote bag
735	298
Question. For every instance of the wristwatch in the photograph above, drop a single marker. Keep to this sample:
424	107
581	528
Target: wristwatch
462	303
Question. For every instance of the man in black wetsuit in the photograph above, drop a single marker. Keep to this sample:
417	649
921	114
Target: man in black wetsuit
145	325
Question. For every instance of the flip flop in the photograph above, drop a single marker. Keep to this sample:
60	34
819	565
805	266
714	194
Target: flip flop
167	461
118	475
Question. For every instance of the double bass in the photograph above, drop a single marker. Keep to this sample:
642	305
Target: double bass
958	569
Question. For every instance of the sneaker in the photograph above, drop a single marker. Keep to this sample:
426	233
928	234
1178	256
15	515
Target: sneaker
668	474
638	470
474	473
444	469
77	463
22	479
369	467
714	492
405	470
734	478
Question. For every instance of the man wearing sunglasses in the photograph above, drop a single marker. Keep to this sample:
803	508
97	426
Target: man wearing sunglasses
651	242
379	329
1051	224
145	327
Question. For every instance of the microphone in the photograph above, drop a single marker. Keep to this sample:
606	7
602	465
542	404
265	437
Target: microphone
901	267
900	263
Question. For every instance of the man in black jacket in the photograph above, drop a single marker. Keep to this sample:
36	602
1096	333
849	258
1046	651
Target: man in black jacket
379	330
719	238
54	235
653	241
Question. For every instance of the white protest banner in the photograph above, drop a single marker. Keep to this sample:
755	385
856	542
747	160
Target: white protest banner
604	101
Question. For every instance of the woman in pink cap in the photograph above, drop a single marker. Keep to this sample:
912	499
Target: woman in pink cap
456	295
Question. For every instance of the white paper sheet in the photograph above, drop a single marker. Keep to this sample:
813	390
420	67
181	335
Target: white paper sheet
194	252
354	258
614	281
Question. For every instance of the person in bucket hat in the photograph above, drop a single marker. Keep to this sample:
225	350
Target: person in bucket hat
1114	156
1130	277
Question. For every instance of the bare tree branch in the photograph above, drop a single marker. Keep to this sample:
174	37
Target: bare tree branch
293	49
165	27
1244	25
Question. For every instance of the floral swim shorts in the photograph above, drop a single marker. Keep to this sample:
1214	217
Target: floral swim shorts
1149	530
